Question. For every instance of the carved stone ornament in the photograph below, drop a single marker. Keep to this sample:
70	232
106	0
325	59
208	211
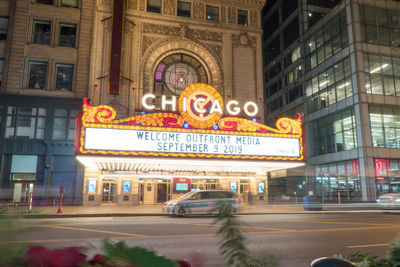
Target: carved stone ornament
253	18
129	25
244	40
217	49
161	29
147	41
142	5
198	10
107	24
222	14
183	31
231	15
169	7
204	35
121	110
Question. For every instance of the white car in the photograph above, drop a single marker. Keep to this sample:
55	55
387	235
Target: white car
389	201
201	202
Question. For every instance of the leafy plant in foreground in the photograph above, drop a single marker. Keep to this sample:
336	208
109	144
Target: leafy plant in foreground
232	244
393	253
136	256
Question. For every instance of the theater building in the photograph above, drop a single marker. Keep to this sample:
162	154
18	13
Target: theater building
199	144
153	50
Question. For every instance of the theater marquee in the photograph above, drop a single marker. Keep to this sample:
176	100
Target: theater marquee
199	131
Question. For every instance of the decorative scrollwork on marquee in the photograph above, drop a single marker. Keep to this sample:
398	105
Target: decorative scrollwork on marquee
104	114
284	126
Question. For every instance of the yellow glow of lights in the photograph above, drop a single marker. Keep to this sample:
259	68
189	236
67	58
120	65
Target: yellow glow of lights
229	166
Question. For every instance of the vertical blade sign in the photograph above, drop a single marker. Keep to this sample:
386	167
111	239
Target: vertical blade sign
116	47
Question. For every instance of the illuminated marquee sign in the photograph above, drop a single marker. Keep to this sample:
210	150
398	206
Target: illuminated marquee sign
209	135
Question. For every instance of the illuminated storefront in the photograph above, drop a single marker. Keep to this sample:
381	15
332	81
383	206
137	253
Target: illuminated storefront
154	157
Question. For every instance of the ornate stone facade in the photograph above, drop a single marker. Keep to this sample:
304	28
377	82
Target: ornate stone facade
198	10
169	7
224	48
183	31
253	18
244	40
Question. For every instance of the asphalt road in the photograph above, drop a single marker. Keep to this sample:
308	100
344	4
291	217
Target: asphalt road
294	239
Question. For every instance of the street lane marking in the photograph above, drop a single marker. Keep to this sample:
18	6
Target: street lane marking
350	223
242	227
93	230
59	240
367	246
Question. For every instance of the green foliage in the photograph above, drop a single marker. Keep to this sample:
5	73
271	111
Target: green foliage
269	261
10	253
367	260
393	253
136	256
232	244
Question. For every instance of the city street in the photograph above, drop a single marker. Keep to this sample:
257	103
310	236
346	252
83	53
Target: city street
295	239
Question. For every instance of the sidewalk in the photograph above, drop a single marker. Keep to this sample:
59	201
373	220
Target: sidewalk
156	210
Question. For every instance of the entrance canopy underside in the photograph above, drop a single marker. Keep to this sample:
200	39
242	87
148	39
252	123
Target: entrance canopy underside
183	165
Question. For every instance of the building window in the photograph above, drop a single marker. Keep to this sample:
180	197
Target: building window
335	133
271	25
60	124
288	7
212	13
184	9
330	86
64	124
1	70
313	17
25	122
291	33
385	126
382	75
41	32
326	42
70	3
3	28
177	71
272	50
37	72
45	2
67	35
154	6
242	17
380	26
64	76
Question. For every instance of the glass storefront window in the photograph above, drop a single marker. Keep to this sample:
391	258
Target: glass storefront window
337	182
